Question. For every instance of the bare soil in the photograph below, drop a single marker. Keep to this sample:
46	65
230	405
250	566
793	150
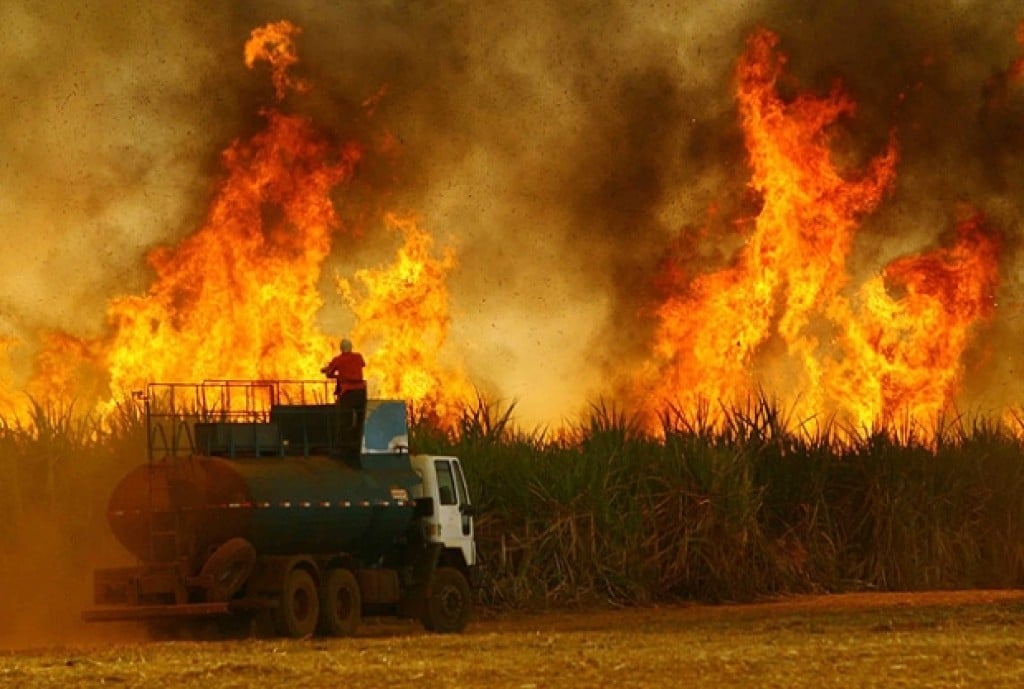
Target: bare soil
934	639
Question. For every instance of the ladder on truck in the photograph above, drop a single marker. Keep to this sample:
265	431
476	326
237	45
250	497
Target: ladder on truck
170	410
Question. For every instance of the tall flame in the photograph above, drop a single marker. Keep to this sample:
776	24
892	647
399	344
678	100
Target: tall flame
239	298
903	355
403	308
778	318
708	336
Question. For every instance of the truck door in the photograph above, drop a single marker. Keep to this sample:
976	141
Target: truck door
456	524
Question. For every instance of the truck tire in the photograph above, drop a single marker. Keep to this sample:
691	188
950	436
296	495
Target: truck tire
341	603
449	602
299	610
228	568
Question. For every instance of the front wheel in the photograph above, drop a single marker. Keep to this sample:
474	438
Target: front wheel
299	608
449	602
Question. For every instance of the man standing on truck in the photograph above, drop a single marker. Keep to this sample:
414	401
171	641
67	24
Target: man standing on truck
347	370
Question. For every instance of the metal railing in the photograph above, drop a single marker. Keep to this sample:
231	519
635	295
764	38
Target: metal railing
174	409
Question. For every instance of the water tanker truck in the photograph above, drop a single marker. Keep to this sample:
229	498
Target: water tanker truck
262	502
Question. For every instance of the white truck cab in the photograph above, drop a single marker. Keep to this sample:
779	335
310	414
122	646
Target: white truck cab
451	523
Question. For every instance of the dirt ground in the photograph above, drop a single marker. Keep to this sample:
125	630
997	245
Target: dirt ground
936	639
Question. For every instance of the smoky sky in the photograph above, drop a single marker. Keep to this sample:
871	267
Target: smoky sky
561	147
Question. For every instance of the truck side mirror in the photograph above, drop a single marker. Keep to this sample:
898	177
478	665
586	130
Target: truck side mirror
424	507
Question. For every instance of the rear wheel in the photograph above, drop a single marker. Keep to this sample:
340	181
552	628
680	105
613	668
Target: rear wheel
340	603
449	602
299	608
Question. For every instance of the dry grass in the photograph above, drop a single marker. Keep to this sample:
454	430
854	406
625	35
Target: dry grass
861	640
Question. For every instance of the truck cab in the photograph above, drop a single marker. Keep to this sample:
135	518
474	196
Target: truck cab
450	522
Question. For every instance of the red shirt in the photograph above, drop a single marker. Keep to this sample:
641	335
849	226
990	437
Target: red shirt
347	367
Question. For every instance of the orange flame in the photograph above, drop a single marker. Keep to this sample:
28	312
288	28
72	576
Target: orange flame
707	338
903	355
239	298
404	310
11	404
65	369
273	44
777	318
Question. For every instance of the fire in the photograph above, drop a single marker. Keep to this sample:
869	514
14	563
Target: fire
903	355
10	402
65	370
709	336
239	298
778	318
403	308
273	44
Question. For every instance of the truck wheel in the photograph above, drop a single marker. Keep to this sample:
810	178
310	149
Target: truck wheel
340	603
449	602
228	568
297	614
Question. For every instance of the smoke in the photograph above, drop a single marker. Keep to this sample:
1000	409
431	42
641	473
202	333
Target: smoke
54	483
109	135
562	148
47	575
